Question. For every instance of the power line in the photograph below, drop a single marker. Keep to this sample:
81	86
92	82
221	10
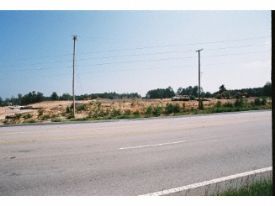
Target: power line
142	54
140	61
88	70
153	46
178	44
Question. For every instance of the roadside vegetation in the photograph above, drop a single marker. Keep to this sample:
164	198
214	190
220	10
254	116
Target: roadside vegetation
263	188
129	106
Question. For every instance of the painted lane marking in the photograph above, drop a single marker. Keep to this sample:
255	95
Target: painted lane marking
151	145
213	181
12	133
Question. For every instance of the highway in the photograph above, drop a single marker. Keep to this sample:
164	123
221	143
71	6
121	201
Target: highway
131	157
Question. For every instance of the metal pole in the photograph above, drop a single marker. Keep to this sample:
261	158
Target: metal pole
74	39
199	77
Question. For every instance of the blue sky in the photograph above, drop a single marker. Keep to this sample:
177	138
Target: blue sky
132	51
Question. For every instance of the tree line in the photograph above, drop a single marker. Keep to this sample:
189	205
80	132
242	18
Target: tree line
34	97
159	93
222	93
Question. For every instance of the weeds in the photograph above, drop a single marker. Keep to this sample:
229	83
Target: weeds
260	188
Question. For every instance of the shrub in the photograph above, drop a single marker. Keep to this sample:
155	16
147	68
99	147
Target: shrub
81	107
127	112
70	115
45	117
40	112
18	116
27	116
228	104
56	119
260	101
30	121
69	109
149	110
98	104
103	113
239	102
115	112
201	105
176	108
170	108
218	96
257	101
157	111
264	101
183	106
218	104
136	113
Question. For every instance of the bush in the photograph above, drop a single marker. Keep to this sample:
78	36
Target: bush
27	116
157	111
239	102
170	108
81	107
149	110
40	112
69	109
218	104
115	113
30	121
257	101
136	113
127	112
183	106
98	104
18	116
56	119
70	115
260	101
45	117
228	104
201	105
264	101
218	96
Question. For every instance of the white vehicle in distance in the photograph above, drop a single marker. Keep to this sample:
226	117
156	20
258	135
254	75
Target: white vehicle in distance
181	98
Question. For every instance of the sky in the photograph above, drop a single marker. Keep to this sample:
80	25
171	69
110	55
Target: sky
132	51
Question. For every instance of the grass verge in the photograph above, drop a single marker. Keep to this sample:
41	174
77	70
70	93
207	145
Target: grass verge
261	188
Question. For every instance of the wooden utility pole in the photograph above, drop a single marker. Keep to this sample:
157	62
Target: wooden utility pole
74	39
199	68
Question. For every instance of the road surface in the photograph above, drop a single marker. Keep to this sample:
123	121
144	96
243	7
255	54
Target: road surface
131	157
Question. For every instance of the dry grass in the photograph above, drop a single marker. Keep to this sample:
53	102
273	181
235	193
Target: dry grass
59	110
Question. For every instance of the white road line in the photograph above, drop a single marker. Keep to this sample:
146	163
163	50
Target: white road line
151	145
213	181
12	133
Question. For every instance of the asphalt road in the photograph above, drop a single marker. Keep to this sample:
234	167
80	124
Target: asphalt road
131	157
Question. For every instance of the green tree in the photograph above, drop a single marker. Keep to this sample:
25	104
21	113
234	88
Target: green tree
160	93
65	96
267	89
222	89
54	96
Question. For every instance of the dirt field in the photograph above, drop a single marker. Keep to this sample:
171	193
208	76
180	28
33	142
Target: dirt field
60	110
